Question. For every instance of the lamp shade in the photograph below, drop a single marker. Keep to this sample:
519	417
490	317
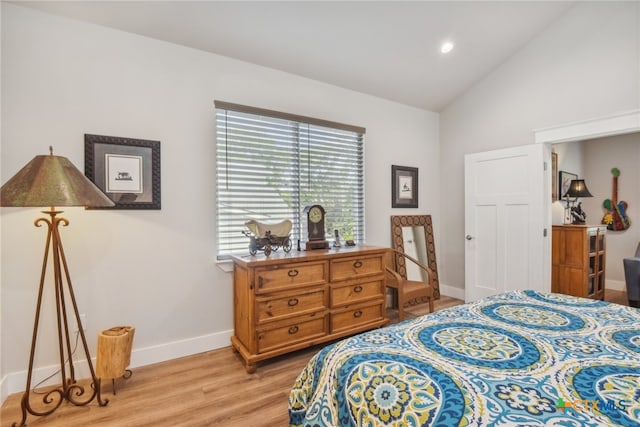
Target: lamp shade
51	181
578	188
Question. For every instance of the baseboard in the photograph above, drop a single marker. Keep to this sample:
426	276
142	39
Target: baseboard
615	285
451	291
176	349
4	391
14	382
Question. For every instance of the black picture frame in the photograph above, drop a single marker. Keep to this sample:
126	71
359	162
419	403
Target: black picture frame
564	181
404	187
127	170
554	177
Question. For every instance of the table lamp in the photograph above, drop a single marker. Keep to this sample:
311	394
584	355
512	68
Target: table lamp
577	188
49	181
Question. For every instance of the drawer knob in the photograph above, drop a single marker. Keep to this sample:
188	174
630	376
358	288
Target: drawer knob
357	313
293	330
357	264
293	301
357	289
292	273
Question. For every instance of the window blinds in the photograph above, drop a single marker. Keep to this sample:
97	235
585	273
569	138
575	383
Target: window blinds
270	165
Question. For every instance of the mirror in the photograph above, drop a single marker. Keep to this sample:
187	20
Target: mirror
413	235
415	246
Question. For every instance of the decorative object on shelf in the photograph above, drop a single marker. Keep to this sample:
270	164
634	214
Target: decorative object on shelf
564	181
49	181
315	219
336	242
268	237
578	216
404	187
577	189
616	216
126	169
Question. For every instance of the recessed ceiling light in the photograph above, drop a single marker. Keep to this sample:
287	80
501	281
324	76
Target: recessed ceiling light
446	47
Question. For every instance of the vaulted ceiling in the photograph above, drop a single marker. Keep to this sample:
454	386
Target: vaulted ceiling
389	49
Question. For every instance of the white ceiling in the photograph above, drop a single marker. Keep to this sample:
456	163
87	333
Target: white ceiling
384	48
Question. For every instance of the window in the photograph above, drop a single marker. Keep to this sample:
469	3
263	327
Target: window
271	165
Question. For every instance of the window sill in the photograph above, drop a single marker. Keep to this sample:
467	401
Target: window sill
225	265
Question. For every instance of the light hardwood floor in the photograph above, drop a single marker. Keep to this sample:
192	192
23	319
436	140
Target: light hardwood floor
206	389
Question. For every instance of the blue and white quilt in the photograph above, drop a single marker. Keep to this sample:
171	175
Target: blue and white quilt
521	358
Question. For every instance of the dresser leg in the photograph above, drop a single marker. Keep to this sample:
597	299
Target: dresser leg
250	367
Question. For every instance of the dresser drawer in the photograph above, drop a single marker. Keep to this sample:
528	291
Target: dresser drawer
299	329
355	292
351	318
288	301
350	268
271	308
282	277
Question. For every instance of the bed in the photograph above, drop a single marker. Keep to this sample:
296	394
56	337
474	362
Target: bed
520	358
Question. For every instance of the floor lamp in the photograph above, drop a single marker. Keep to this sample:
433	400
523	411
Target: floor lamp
49	181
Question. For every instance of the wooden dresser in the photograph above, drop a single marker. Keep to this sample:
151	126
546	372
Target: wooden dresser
578	260
287	302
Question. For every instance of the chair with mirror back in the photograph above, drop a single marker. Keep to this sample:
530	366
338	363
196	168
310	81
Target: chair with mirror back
413	271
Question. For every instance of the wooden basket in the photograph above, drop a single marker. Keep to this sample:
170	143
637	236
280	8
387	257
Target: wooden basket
114	351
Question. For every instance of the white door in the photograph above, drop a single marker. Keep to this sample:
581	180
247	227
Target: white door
507	221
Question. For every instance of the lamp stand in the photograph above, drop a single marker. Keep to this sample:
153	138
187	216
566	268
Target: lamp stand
69	390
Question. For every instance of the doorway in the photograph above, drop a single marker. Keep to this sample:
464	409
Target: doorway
621	124
617	124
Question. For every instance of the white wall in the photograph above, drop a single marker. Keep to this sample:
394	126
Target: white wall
600	156
155	270
585	65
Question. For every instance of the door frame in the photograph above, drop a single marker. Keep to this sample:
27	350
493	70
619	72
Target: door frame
583	130
614	124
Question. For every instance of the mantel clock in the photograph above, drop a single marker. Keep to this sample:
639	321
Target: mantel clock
315	227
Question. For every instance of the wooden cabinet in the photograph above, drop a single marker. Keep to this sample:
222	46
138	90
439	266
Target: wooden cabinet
287	302
578	260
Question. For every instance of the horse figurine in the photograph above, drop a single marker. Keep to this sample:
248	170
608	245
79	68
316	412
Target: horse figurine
616	217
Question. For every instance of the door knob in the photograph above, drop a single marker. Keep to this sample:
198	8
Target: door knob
468	237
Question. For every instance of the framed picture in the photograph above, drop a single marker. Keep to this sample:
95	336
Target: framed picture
404	187
554	177
127	170
564	181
